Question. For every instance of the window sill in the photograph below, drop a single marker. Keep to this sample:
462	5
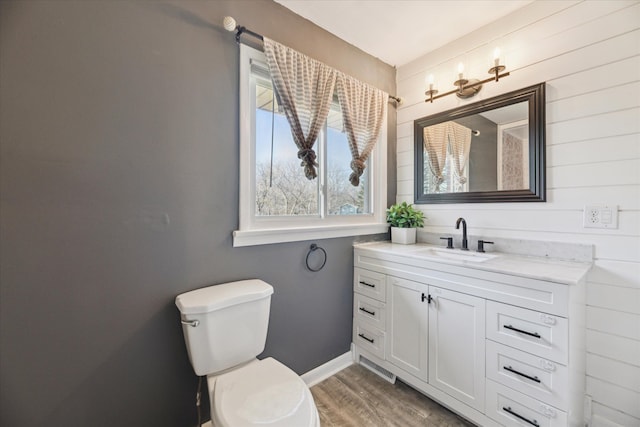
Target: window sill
269	236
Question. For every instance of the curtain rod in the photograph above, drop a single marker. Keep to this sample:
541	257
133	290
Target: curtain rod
230	25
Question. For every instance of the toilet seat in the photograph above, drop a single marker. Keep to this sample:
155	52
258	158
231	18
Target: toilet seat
263	393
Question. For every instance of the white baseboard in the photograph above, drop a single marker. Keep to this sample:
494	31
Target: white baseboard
328	369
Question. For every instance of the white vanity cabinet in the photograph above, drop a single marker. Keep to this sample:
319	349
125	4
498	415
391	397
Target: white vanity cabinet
369	311
438	336
500	341
457	345
408	326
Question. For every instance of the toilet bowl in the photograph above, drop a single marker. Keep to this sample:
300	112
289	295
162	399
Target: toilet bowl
263	393
225	328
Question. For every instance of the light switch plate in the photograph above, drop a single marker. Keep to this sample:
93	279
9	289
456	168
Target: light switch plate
600	216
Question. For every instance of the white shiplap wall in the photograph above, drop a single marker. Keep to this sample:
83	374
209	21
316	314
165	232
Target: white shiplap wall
588	53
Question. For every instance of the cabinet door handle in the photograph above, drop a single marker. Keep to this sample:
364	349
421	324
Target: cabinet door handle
529	377
515	414
428	297
367	284
531	334
373	313
364	337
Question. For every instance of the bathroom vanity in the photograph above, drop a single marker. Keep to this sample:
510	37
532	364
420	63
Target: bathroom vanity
497	338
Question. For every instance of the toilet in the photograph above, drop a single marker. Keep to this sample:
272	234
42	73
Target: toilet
225	328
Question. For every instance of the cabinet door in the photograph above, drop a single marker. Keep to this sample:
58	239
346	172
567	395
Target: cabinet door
457	345
407	325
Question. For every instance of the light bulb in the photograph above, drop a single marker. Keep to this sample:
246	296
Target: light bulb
496	56
460	71
430	81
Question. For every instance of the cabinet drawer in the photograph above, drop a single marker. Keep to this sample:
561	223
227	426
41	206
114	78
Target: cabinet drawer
369	338
368	310
534	332
512	408
540	378
369	283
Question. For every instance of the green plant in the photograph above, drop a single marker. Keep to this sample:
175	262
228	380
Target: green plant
405	216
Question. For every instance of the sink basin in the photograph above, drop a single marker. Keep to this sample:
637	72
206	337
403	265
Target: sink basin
456	254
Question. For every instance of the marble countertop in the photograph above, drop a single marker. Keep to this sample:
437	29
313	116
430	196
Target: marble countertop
540	268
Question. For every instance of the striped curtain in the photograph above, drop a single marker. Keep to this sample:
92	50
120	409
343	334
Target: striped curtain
304	88
435	145
460	141
363	110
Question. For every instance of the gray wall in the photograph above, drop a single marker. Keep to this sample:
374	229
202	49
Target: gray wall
119	190
483	160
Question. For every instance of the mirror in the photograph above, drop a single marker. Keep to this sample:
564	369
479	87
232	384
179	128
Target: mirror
489	151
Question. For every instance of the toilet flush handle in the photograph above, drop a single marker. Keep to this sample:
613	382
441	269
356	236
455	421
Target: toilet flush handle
192	323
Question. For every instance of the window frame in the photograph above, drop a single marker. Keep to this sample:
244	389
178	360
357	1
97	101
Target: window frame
255	230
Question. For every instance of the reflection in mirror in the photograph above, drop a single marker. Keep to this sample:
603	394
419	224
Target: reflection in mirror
489	151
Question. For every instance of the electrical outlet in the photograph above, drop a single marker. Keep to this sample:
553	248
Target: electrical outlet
600	216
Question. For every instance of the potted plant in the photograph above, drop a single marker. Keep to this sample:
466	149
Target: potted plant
404	220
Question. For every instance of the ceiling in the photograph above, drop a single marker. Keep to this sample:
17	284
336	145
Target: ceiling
399	31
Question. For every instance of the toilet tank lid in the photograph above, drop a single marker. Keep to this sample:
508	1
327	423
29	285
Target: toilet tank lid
217	297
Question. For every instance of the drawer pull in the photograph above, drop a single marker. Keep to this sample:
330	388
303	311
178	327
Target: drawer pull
372	313
529	377
367	284
531	334
515	414
364	337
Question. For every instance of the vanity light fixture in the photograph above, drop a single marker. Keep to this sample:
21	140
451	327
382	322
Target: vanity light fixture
431	91
467	88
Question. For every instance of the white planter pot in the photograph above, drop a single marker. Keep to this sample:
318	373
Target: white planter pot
404	236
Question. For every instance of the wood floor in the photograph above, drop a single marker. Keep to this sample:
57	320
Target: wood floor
357	397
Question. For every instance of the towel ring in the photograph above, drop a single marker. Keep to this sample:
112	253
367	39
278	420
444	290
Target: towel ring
312	249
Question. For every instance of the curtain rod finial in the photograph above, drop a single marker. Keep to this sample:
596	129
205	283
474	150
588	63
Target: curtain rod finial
229	23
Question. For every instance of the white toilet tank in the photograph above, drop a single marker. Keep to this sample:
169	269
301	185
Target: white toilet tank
225	325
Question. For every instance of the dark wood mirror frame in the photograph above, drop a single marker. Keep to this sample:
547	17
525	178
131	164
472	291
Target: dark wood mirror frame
535	96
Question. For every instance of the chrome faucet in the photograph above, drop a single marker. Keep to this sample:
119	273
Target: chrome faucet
464	233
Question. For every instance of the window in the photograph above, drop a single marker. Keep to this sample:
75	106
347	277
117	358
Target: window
451	182
277	202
